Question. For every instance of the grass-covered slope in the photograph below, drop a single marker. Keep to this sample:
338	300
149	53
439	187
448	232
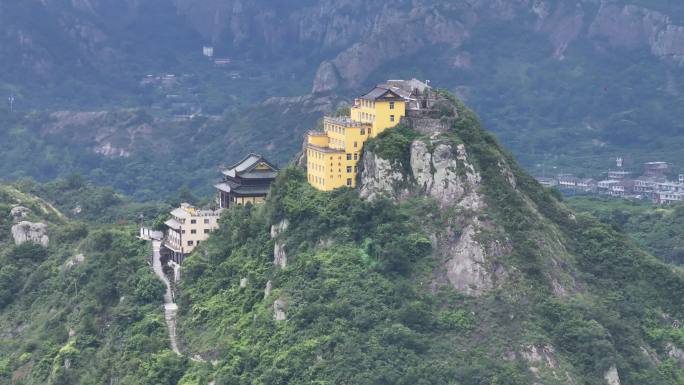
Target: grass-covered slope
358	302
86	309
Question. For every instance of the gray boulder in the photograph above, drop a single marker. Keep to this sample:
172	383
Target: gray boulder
30	232
19	212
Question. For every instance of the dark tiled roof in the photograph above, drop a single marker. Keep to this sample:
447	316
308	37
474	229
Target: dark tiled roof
248	163
380	92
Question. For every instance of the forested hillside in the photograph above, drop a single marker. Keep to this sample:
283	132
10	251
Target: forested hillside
660	230
450	265
78	304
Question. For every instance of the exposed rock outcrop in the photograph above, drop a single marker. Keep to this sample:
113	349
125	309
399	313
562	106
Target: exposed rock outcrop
674	352
543	363
75	261
30	232
326	78
441	169
468	267
19	212
279	309
268	289
279	253
445	174
612	376
380	178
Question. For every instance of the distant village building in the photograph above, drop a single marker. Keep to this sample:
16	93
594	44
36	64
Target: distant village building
187	228
647	185
332	154
222	61
567	181
653	185
547	182
247	181
619	174
666	197
208	51
586	184
656	168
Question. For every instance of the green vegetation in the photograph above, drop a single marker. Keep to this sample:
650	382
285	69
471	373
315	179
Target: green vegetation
84	310
660	230
362	305
363	293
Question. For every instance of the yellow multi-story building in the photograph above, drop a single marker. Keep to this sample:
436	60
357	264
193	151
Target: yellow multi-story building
333	154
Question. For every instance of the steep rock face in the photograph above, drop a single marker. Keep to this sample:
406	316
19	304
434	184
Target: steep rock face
280	309
631	26
30	232
466	269
279	253
441	169
445	174
379	177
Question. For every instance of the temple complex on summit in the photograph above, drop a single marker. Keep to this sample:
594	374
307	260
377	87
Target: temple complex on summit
332	154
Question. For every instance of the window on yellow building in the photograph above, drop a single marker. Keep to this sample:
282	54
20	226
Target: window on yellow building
349	156
363	131
349	182
391	105
349	169
356	156
356	144
391	118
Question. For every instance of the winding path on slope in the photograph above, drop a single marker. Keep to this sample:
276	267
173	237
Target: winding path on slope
170	307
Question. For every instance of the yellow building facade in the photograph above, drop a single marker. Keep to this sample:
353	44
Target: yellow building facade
333	154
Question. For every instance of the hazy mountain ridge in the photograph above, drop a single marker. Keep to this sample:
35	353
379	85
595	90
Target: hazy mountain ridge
341	32
567	86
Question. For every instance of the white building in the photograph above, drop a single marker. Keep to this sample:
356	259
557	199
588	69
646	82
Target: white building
187	228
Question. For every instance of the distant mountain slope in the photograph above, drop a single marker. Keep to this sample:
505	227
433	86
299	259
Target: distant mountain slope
566	85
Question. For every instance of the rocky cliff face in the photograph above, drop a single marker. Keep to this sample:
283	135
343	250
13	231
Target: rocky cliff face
350	38
442	168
